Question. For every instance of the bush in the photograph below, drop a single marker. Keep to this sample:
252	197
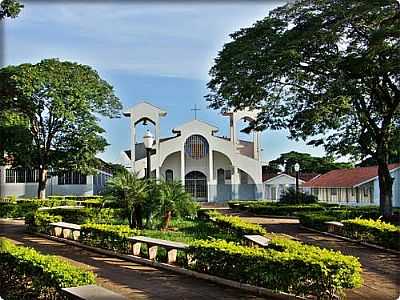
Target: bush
39	221
291	197
235	224
376	232
27	274
112	237
321	273
17	210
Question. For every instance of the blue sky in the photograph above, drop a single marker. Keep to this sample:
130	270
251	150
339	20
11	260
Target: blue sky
159	52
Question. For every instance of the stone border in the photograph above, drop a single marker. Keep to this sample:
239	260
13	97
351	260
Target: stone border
172	268
352	240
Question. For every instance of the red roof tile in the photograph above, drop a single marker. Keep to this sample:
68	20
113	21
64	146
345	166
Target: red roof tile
346	177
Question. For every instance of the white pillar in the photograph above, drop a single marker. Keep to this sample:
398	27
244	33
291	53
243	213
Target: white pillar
210	173
183	165
158	158
133	143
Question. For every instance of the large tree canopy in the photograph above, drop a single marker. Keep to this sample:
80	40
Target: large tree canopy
327	70
49	116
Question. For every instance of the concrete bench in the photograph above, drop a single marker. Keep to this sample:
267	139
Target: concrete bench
334	226
152	246
257	240
66	230
90	292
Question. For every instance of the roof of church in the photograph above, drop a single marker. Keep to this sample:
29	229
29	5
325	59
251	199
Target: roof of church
201	123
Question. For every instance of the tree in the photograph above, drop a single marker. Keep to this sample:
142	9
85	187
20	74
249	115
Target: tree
326	70
10	9
129	192
174	200
308	163
56	106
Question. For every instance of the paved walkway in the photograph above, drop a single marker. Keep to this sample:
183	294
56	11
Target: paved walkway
381	269
132	280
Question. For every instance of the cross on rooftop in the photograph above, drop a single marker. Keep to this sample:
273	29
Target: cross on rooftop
195	109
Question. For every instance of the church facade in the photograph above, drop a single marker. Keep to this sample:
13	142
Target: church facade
211	167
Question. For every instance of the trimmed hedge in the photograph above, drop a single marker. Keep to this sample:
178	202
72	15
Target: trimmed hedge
39	221
112	237
235	224
322	273
14	210
81	215
376	232
27	274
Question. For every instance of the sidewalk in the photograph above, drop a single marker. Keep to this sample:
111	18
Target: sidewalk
381	269
131	280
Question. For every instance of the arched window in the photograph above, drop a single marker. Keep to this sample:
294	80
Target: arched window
169	175
196	147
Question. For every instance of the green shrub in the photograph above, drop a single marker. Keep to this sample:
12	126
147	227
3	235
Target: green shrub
27	274
376	232
112	237
39	221
291	197
17	210
235	224
323	273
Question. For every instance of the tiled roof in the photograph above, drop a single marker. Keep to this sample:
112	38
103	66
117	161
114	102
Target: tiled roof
346	177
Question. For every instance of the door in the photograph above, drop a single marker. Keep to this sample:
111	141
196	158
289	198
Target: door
196	185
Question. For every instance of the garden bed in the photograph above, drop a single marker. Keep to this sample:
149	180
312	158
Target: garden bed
27	274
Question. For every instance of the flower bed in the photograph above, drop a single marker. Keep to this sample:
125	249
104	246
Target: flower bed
373	231
323	272
27	274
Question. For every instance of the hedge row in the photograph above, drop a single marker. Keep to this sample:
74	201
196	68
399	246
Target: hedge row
275	208
235	224
21	208
300	273
112	237
27	274
376	232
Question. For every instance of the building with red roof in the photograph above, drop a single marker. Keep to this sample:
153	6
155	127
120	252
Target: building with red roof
355	186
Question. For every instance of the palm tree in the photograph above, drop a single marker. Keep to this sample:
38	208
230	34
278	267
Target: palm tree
130	192
174	200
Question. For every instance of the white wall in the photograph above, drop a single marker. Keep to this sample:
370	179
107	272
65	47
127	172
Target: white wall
173	162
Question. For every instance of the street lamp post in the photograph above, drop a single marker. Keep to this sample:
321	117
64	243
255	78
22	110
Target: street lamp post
148	140
297	169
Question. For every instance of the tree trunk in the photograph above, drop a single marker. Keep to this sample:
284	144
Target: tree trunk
139	216
167	219
385	189
131	218
42	182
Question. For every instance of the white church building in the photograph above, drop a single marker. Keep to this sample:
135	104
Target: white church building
211	167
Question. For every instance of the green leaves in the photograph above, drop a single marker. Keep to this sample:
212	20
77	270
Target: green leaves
59	103
299	269
35	274
10	9
326	70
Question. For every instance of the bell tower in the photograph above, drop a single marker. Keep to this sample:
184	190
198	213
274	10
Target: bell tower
144	112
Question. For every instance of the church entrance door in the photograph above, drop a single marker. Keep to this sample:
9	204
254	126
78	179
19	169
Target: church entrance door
196	185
